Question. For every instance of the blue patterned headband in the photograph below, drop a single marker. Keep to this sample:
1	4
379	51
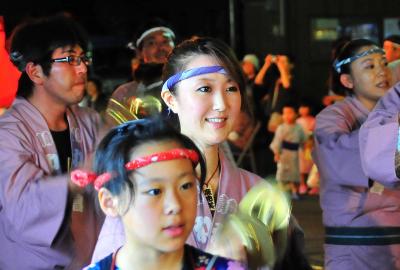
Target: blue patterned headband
337	65
183	75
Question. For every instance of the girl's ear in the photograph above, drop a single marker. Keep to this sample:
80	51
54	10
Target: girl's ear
170	100
347	80
35	72
108	203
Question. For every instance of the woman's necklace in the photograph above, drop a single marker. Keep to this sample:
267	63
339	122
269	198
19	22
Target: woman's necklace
208	191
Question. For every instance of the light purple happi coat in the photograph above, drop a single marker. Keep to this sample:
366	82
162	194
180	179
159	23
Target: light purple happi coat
233	185
34	230
345	196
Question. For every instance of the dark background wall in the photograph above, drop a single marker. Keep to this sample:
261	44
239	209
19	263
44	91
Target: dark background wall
262	34
260	26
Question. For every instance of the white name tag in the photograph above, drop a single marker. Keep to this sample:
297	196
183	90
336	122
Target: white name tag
77	205
377	188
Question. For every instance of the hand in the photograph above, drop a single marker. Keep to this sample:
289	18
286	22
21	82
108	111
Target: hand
269	59
86	166
282	61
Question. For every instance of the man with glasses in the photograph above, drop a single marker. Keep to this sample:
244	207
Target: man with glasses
46	221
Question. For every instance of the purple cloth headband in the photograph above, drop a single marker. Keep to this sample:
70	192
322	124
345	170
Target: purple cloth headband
183	75
166	30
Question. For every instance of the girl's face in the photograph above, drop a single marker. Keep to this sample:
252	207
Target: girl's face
207	105
304	111
163	210
370	77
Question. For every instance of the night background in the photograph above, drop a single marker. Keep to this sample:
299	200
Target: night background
304	29
112	24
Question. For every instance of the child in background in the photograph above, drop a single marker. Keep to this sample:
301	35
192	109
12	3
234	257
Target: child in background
145	174
307	122
313	181
288	138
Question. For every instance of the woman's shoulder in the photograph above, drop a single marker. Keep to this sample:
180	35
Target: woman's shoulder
203	260
349	108
250	176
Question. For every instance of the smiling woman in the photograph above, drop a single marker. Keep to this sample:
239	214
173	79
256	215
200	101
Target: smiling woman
204	86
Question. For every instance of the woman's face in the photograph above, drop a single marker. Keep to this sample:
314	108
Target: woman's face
208	104
370	77
163	210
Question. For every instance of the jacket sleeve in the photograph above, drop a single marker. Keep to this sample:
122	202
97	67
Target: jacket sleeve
336	151
33	203
276	144
379	139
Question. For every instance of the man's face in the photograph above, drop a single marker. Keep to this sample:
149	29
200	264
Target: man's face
392	50
66	83
156	47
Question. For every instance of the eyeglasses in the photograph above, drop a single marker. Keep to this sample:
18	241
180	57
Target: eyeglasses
74	60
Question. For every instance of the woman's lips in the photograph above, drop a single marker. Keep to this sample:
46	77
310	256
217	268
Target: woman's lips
384	84
217	122
174	231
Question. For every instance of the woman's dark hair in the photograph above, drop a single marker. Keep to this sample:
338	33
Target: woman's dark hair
35	41
349	49
116	147
182	54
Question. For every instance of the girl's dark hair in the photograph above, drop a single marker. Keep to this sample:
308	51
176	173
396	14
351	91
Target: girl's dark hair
349	49
35	40
116	147
182	54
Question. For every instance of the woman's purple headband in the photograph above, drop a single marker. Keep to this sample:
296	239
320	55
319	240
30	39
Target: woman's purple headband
183	75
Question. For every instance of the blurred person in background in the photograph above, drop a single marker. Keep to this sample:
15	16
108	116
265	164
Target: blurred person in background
153	43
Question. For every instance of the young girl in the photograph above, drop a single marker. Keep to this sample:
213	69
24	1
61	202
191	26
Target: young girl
307	122
203	86
145	173
360	218
288	138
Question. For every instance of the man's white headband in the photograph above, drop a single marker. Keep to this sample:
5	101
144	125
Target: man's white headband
155	29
